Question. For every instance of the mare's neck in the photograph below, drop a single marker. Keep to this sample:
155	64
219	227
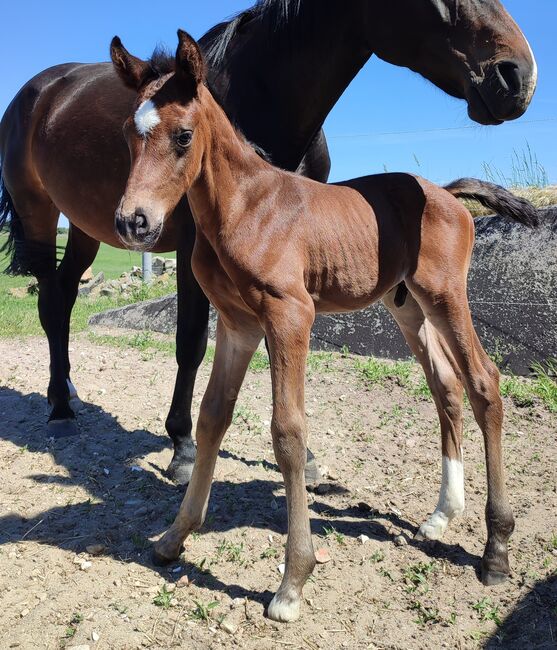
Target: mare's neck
230	172
278	83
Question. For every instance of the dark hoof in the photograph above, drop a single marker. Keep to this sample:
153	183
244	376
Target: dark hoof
180	472
62	428
312	474
493	578
162	560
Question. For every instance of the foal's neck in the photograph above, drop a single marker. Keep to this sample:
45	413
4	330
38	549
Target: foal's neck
230	172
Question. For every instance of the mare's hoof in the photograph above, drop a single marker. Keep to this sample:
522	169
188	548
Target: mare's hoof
162	560
493	578
180	471
76	404
62	428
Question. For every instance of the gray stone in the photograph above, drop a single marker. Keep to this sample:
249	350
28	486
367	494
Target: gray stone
108	291
158	265
86	289
512	291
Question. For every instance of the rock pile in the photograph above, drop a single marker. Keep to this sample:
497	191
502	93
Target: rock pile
96	285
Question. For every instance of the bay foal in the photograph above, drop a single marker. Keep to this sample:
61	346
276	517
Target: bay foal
272	249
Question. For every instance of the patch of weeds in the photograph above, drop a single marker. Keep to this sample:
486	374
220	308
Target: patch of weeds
121	609
478	635
202	611
163	598
518	391
142	341
270	552
377	557
421	389
377	371
244	415
386	574
24	449
140	542
231	552
545	384
330	532
425	614
259	362
416	575
487	611
72	625
320	361
552	544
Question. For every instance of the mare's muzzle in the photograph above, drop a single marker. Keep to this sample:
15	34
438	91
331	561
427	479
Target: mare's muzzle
503	94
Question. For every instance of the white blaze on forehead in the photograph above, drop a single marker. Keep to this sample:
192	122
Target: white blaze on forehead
146	118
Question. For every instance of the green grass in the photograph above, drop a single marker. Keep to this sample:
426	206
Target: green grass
541	387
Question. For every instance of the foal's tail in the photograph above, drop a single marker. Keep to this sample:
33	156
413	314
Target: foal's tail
10	222
496	198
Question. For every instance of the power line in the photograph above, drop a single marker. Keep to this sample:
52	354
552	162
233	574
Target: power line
377	134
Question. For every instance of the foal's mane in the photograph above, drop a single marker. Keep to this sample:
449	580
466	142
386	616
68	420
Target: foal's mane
277	13
163	62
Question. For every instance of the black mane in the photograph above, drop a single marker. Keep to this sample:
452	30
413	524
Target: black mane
278	13
162	61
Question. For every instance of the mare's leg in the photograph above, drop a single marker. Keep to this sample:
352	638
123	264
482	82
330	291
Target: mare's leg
288	328
80	253
448	310
439	368
191	343
39	218
234	350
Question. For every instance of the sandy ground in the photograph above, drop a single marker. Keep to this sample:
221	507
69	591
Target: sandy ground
78	516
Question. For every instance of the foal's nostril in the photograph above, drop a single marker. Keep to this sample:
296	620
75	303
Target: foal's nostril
508	75
140	222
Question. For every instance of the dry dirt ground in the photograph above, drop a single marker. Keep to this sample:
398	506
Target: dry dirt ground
380	447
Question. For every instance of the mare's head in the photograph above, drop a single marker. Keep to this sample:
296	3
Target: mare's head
165	136
471	49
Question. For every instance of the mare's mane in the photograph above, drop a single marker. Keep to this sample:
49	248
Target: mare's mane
278	14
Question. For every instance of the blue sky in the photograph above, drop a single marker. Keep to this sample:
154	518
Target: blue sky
382	100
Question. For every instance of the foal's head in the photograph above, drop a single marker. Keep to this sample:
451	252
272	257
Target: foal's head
165	136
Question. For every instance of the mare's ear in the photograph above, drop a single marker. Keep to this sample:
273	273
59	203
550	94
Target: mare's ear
131	70
190	65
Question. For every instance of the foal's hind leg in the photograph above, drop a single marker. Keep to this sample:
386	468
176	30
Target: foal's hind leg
234	350
439	368
450	314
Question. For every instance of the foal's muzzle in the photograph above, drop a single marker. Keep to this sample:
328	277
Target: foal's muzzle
134	230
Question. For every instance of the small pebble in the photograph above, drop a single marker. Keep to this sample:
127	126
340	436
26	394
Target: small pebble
281	568
228	627
86	565
400	540
184	581
95	636
364	539
322	556
95	549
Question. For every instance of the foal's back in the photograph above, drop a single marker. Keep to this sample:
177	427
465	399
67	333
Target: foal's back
363	236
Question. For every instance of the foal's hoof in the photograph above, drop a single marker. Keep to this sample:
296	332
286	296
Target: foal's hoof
62	428
493	578
180	471
284	610
162	560
312	474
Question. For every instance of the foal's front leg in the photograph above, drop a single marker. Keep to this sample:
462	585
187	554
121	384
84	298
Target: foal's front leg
233	353
288	330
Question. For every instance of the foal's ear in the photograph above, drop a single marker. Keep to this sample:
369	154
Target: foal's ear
189	60
131	70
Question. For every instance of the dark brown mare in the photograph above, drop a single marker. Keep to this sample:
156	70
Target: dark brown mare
277	69
272	249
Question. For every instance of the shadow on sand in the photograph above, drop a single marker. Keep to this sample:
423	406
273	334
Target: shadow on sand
127	506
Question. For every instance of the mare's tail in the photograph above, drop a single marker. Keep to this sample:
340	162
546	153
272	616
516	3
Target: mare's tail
496	198
10	222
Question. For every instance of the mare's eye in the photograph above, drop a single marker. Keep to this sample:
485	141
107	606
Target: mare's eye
183	139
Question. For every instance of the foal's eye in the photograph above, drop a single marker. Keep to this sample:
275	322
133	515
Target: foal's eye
183	139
